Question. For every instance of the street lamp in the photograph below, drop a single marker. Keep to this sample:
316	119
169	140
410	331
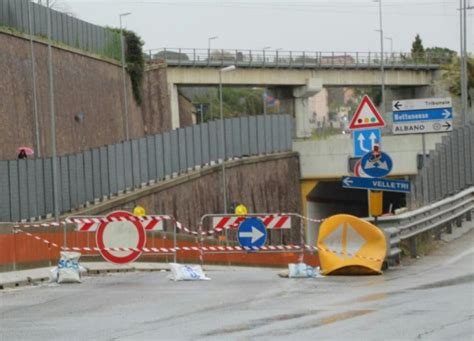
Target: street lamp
382	70
54	160
125	99
209	46
224	185
265	48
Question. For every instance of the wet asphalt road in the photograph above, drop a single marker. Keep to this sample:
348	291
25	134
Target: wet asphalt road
431	298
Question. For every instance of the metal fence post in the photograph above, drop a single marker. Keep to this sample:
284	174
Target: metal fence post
174	240
413	252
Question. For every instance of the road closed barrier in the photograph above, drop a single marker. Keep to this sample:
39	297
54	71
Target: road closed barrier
350	246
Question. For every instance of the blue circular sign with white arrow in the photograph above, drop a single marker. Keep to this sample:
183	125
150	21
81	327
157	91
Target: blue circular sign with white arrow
252	233
376	165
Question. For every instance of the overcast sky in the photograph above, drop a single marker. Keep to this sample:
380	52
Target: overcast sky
311	25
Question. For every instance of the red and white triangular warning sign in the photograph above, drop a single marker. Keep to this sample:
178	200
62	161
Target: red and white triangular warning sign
366	115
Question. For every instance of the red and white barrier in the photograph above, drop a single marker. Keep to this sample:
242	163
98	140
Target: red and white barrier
91	224
217	249
270	221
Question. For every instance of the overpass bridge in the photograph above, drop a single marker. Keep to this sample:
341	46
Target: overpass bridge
294	76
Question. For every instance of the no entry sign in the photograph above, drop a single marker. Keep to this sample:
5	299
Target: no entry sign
122	234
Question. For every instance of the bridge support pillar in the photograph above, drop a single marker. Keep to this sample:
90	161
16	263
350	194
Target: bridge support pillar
174	99
301	96
308	210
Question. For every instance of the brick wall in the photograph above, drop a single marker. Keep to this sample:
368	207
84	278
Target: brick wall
82	84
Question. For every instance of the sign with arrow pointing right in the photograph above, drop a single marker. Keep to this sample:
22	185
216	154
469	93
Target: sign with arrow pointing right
252	233
419	116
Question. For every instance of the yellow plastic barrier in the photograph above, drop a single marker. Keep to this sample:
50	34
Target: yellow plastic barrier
350	246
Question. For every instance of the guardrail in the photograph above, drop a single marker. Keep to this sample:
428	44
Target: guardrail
295	59
439	216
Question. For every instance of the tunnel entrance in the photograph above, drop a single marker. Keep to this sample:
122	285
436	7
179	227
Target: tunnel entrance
329	197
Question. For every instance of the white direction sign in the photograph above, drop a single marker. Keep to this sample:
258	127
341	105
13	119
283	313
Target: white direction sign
422	127
420	116
421	104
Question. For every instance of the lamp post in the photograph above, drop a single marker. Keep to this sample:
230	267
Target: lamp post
54	160
463	7
265	48
33	76
265	88
125	99
224	184
209	46
382	70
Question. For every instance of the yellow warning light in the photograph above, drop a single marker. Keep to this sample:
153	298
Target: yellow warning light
348	245
139	211
241	210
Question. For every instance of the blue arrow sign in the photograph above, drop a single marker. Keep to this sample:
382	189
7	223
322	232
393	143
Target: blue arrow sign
252	233
377	167
365	139
385	185
423	115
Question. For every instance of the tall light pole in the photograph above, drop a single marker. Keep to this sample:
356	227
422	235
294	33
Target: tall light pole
33	78
463	59
209	46
54	161
382	69
124	79
265	88
224	183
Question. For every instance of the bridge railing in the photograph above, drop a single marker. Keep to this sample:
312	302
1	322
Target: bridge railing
26	186
293	59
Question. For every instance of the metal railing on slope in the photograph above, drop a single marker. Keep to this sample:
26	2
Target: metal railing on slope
436	217
295	59
26	190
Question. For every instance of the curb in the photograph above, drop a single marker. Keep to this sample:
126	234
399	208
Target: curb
91	271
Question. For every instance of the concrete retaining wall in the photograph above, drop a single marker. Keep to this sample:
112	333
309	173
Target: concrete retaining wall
83	83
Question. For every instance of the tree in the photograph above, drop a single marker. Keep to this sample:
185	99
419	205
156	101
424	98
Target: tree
453	76
440	55
417	49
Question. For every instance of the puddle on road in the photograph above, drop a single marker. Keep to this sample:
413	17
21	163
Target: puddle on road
447	282
260	323
285	317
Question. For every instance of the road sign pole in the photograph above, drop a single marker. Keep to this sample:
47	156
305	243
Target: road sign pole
424	170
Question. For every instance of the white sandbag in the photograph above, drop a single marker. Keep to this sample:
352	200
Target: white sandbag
183	272
68	268
53	275
302	270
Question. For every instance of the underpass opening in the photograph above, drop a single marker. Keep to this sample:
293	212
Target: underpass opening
328	198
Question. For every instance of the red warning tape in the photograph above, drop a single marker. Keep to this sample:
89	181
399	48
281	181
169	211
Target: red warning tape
200	248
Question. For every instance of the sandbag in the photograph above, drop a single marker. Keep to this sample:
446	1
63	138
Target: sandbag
68	268
302	270
183	272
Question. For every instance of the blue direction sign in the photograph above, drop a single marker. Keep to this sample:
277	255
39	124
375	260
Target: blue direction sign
252	233
376	165
385	185
423	115
364	140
